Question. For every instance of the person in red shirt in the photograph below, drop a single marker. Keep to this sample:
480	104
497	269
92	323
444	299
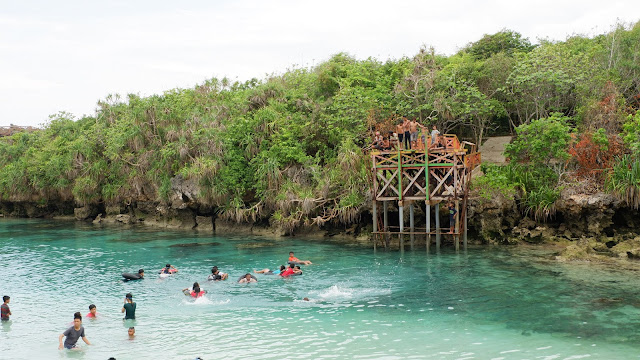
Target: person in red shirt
288	272
296	260
92	312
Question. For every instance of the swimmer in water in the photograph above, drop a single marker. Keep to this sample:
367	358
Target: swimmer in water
271	272
290	271
296	260
216	275
169	269
194	291
297	270
132	333
247	279
92	312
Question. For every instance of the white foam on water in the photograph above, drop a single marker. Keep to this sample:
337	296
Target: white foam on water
203	300
336	292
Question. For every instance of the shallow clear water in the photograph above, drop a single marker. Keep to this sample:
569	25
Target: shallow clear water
487	303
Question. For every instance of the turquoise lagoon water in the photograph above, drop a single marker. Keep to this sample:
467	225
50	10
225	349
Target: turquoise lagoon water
485	303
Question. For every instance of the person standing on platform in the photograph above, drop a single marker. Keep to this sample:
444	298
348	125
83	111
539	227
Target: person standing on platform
413	127
407	133
400	132
434	136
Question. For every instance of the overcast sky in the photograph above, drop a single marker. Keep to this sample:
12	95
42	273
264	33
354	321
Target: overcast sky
66	55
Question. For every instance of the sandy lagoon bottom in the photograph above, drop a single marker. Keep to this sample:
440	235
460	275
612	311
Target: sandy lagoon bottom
486	303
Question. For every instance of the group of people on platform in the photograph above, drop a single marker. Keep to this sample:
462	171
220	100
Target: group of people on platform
76	332
406	137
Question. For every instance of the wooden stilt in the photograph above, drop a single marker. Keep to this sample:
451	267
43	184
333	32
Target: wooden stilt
464	236
401	222
411	225
428	225
385	218
456	226
438	226
375	224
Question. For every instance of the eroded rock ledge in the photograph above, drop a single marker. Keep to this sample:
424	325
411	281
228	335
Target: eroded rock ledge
592	226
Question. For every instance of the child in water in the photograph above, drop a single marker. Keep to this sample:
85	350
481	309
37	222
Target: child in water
92	312
73	333
129	306
4	308
169	269
194	291
247	279
296	260
270	272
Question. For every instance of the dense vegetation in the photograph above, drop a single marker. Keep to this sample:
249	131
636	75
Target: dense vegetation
290	148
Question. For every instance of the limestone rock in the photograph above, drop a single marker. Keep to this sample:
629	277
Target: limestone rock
204	223
113	210
183	192
123	218
98	219
84	213
627	249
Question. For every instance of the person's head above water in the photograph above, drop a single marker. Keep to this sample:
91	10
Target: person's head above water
131	331
129	297
168	265
292	265
141	272
214	269
92	309
290	253
247	276
282	267
77	320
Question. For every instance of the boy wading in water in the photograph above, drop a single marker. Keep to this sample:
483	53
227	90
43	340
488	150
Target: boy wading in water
73	334
129	306
92	312
4	308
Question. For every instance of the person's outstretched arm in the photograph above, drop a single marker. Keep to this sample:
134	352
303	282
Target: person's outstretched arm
86	341
60	341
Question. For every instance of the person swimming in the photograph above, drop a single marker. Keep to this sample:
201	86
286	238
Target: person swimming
216	275
92	312
129	276
247	278
194	291
270	272
290	271
293	259
168	269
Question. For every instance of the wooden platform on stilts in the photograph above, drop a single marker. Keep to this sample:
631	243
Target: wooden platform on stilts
435	174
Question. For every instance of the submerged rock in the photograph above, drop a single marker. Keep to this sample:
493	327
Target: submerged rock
253	245
188	245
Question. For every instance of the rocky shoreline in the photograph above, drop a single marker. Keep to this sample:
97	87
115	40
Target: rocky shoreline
594	227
